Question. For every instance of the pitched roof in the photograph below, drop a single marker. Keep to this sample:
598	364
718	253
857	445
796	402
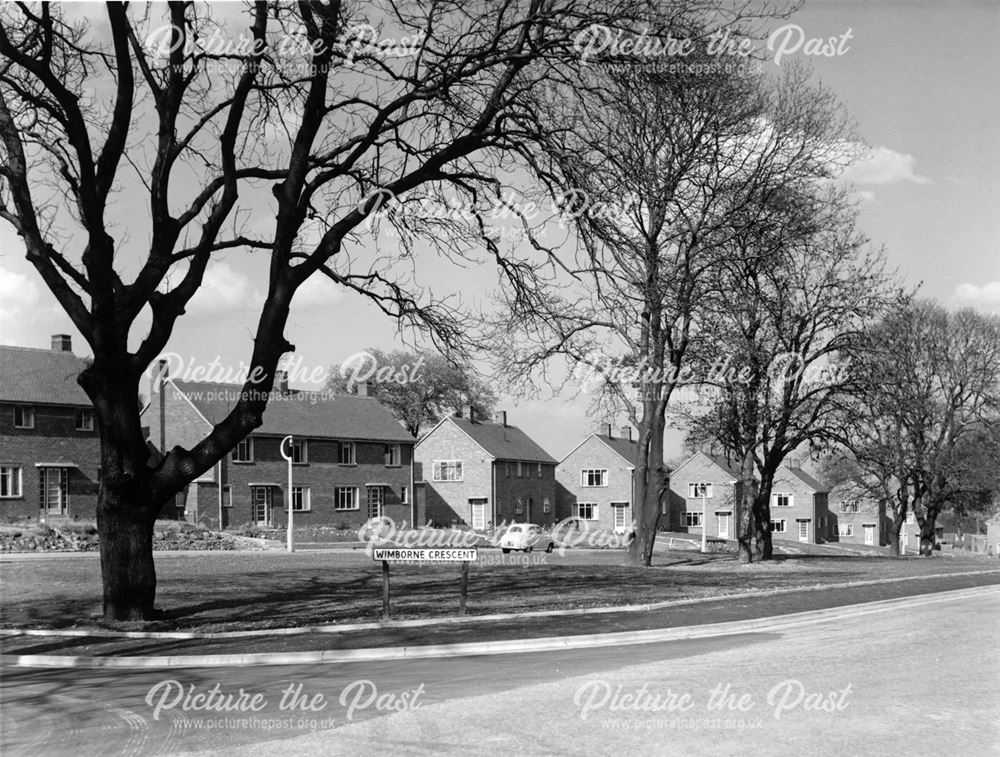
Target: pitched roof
627	449
717	460
302	413
503	442
43	377
805	478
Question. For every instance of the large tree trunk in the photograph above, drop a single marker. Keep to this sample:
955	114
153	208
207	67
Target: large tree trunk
129	577
650	489
928	536
744	509
763	545
898	518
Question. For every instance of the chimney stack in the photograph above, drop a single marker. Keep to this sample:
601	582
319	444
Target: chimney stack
466	412
62	343
364	389
607	431
156	387
281	381
503	417
625	432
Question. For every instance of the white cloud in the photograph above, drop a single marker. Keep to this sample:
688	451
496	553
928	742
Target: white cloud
884	166
317	291
18	296
224	289
986	294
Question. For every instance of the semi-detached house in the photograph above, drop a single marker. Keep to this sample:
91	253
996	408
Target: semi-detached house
483	474
352	460
596	481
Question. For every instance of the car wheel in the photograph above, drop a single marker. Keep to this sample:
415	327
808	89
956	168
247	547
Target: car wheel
550	547
528	549
505	550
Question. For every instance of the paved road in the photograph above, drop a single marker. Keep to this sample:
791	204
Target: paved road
922	680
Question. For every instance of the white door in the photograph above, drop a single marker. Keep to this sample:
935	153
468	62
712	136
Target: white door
260	502
54	490
478	507
803	530
869	534
724	526
376	499
620	510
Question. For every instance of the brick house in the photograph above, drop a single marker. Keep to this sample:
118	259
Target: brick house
352	458
595	482
799	506
49	446
483	474
716	479
856	519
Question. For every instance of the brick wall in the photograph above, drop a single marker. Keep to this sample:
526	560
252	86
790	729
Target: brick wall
53	439
869	513
447	502
532	491
724	496
594	454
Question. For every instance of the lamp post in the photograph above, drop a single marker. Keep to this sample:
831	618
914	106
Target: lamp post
704	518
288	498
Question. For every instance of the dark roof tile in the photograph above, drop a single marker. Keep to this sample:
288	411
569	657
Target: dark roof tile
43	377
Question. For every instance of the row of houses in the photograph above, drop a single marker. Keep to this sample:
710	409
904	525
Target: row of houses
353	461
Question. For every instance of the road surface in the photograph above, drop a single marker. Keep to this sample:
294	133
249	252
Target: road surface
922	679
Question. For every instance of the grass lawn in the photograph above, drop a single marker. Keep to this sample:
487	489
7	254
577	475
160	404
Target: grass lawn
237	590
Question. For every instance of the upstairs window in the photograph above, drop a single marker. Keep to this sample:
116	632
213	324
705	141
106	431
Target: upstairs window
347	454
447	470
593	477
393	454
850	507
243	452
300	451
84	419
699	489
782	500
24	417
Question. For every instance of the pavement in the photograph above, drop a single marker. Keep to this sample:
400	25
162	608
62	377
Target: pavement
919	675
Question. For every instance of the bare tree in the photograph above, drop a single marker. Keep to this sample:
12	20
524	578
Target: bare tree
799	293
259	146
653	169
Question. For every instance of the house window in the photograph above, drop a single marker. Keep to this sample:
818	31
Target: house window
345	498
404	495
10	481
782	500
850	507
699	489
243	452
301	499
518	506
539	470
845	529
447	470
84	419
692	520
585	510
520	469
778	526
24	417
546	505
594	477
507	470
300	451
227	496
393	454
347	454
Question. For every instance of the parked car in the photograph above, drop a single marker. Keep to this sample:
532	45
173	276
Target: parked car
526	536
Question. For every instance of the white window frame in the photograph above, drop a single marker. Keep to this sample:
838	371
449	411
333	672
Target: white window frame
248	441
539	470
546	505
347	453
779	526
694	489
845	529
305	499
587	475
227	495
27	416
15	481
520	469
692	519
518	506
393	455
339	491
268	503
776	499
404	495
302	445
850	506
592	506
83	419
375	501
447	470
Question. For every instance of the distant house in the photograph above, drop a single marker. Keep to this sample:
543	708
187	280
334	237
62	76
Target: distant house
704	483
484	474
993	536
799	510
857	519
49	447
352	458
596	481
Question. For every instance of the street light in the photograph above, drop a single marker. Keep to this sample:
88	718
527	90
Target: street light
288	498
704	518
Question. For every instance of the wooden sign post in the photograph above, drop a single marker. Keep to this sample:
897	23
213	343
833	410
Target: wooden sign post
464	555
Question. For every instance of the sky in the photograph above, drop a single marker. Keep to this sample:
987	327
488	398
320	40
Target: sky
919	79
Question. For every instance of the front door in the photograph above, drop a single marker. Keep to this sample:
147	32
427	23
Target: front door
478	514
260	503
54	486
376	499
620	510
869	534
723	525
803	530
